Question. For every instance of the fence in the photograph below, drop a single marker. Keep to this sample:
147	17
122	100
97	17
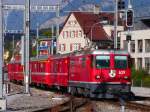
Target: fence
140	83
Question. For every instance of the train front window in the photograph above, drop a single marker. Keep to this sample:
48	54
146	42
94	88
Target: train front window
121	62
102	61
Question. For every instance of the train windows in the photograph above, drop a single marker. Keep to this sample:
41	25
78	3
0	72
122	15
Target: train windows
121	62
102	61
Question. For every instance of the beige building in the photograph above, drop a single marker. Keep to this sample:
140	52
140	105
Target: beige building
139	47
80	30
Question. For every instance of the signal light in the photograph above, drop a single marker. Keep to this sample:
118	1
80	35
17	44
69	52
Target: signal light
121	5
129	18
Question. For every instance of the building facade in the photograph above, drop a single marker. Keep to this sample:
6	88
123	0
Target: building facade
138	47
82	30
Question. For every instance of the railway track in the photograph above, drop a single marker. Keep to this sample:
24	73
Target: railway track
74	103
68	106
138	106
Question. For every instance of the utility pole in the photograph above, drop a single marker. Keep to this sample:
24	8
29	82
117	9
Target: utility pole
58	15
52	41
2	98
27	35
37	40
115	24
57	24
1	51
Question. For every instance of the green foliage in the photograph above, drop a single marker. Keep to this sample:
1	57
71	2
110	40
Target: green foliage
33	53
140	77
138	74
46	32
146	82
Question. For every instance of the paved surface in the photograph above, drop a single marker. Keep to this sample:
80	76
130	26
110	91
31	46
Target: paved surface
141	91
39	99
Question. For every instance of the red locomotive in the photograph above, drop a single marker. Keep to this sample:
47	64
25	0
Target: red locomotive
93	73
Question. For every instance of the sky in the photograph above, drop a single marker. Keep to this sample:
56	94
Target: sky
15	18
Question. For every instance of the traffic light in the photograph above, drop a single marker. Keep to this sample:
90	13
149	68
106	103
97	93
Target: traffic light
121	5
129	18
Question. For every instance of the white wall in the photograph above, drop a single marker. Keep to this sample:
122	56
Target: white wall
137	35
71	27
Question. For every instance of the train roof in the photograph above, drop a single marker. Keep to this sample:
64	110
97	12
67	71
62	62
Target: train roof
121	52
100	51
39	58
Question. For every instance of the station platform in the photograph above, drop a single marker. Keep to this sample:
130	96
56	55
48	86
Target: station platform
141	91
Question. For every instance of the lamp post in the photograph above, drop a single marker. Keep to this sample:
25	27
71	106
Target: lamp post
92	30
27	55
37	40
115	23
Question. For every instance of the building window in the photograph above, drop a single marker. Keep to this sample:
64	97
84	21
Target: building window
75	46
147	45
132	46
80	33
65	34
147	64
62	47
72	34
140	45
139	63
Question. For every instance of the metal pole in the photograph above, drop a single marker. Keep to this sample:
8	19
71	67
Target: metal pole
115	23
92	30
1	51
58	15
52	47
13	45
122	104
37	42
22	50
57	24
3	102
27	35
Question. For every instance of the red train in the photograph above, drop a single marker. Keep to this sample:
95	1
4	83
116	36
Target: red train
93	73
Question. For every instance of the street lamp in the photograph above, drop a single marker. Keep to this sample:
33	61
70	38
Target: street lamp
92	30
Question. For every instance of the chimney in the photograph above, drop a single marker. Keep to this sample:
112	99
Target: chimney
96	9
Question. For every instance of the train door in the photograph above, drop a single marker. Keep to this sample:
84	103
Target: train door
84	69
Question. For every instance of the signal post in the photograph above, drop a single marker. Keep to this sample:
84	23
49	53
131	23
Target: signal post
2	98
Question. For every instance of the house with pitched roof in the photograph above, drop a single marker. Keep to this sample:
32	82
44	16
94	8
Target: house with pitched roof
82	30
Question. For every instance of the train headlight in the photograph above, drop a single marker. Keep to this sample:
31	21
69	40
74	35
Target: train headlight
125	77
97	77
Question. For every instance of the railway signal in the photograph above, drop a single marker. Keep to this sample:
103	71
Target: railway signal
121	4
129	18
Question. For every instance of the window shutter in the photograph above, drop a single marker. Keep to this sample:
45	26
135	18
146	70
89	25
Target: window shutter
59	47
64	47
76	34
70	47
79	46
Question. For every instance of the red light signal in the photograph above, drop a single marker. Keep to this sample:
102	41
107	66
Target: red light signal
129	18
